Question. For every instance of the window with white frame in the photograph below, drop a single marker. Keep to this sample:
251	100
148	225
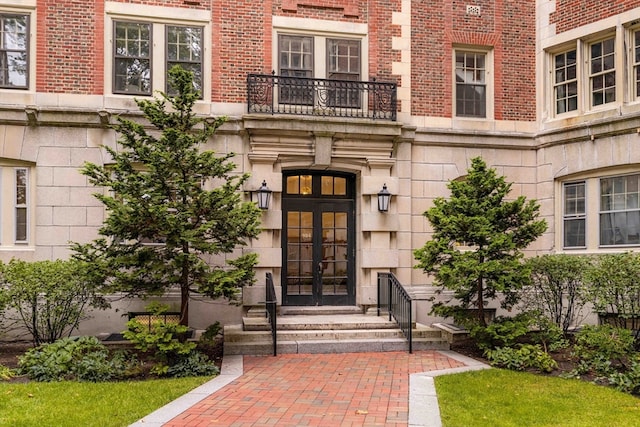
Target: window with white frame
14	50
574	215
612	221
470	84
620	210
635	60
602	72
565	84
14	205
133	59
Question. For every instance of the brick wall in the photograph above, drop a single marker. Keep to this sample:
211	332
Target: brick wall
506	26
70	46
571	14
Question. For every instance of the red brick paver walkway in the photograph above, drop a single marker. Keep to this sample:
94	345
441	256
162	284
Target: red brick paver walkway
353	389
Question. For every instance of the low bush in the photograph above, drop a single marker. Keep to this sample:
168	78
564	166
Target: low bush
526	356
602	350
6	373
195	364
166	343
503	332
629	380
75	359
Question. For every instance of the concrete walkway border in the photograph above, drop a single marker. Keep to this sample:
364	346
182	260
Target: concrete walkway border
423	400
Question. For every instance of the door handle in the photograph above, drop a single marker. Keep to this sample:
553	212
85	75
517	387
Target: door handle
320	267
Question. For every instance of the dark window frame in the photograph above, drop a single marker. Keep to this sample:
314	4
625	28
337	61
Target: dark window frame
187	64
123	57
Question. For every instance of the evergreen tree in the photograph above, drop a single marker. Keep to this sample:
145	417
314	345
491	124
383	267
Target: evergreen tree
175	217
492	229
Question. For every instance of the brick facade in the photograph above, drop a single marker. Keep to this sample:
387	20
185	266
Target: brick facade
570	14
444	25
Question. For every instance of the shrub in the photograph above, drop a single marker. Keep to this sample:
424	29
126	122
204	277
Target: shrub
195	364
606	341
629	380
602	349
503	332
557	291
79	359
167	345
526	356
49	298
6	373
613	285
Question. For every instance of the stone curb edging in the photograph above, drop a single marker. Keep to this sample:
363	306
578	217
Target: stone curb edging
424	410
232	368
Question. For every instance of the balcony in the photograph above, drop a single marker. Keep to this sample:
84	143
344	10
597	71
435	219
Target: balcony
271	94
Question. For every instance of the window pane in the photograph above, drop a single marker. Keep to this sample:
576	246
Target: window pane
602	72
619	211
21	204
470	84
14	67
132	53
574	214
184	48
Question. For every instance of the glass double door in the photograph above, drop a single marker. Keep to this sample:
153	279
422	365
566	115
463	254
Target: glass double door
319	252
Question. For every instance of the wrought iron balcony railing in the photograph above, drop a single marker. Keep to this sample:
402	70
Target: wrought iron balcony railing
271	94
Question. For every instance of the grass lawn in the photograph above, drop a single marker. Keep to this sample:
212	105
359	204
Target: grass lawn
76	404
500	398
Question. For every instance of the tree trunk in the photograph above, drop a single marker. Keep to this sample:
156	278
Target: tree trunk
479	289
184	290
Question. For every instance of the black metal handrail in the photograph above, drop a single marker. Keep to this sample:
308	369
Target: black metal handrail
393	297
271	303
271	94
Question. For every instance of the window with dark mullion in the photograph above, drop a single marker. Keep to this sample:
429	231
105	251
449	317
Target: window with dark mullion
132	58
343	65
184	48
14	51
471	85
295	55
602	73
565	82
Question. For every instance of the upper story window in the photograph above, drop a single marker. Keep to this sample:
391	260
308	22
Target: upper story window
134	60
471	84
602	73
636	63
565	85
14	51
184	48
322	58
144	41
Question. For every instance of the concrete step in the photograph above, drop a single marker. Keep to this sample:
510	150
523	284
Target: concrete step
235	333
328	334
334	346
320	322
287	310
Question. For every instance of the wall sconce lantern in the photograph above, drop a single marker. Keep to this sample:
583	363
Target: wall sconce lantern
384	197
264	195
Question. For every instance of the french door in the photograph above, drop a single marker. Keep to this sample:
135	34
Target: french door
318	244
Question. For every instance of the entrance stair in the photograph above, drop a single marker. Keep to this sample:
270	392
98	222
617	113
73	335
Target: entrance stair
326	330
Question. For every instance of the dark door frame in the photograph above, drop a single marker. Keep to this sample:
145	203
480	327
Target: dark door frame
317	205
